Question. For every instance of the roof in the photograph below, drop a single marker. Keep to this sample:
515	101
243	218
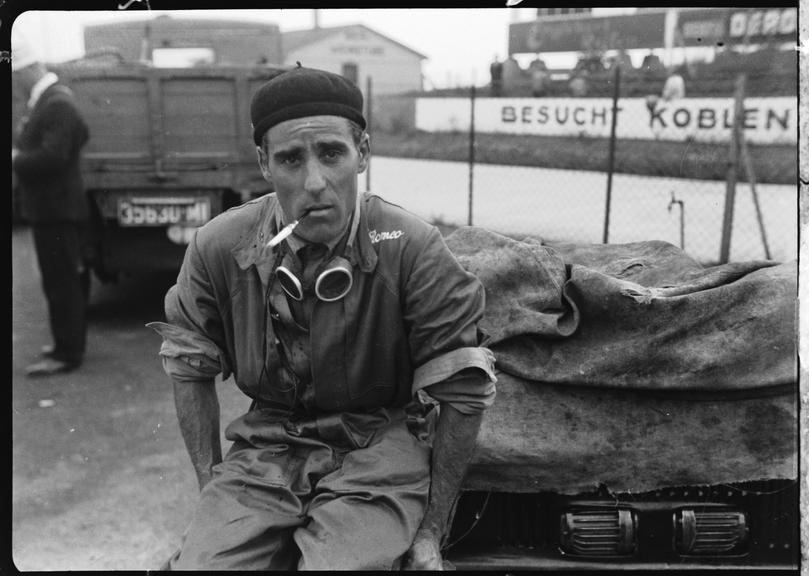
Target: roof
167	22
297	38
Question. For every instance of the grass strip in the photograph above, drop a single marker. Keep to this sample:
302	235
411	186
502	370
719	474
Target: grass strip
773	164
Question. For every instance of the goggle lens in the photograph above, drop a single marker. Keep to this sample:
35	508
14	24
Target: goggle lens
333	284
289	282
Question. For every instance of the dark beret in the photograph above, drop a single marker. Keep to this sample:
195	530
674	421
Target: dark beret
301	92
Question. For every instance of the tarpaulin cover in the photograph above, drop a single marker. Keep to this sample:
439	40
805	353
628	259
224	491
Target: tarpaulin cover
632	365
571	439
641	315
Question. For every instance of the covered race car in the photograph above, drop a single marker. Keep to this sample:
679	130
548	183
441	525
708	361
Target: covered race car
646	413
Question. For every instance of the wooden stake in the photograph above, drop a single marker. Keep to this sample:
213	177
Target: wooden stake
751	179
733	162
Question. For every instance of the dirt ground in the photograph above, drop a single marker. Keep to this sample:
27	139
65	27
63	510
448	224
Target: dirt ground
100	476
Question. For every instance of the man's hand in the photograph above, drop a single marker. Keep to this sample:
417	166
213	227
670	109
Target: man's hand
454	443
424	553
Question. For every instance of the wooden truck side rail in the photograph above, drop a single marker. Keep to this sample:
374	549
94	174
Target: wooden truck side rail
169	149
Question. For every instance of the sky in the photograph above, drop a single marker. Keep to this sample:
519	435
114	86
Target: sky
459	43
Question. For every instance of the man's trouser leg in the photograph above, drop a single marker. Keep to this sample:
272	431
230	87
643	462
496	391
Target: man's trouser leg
247	512
363	514
58	249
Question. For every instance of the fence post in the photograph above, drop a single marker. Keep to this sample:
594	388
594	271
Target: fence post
747	162
733	162
368	121
611	160
471	153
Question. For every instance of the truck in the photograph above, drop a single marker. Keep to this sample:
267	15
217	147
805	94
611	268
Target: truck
170	148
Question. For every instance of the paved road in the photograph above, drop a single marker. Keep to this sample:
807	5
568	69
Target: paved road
100	477
569	205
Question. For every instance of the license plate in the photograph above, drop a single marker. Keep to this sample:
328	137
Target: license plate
163	211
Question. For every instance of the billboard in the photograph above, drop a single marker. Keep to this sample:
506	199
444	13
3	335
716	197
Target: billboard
582	34
646	30
765	120
727	26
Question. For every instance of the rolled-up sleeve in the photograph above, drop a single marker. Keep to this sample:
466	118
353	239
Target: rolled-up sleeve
469	392
444	366
193	339
187	355
443	305
464	378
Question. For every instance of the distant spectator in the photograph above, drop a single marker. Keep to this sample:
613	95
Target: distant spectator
578	84
513	74
539	77
674	87
496	70
46	159
538	63
651	65
623	59
590	63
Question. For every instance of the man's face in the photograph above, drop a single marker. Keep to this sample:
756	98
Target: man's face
313	164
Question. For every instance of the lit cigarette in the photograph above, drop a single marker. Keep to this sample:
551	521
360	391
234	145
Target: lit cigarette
285	231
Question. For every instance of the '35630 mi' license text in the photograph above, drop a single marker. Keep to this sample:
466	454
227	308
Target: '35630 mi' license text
157	211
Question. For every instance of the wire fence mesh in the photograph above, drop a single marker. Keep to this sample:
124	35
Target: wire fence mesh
559	189
758	218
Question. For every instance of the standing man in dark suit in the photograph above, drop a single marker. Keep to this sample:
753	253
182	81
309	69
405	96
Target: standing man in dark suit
46	160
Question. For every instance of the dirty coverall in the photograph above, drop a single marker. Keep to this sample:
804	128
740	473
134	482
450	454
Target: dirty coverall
330	468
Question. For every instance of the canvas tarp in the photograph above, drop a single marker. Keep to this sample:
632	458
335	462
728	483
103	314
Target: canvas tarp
633	366
572	439
635	316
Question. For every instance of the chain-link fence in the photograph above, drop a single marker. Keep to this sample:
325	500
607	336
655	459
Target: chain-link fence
555	166
714	176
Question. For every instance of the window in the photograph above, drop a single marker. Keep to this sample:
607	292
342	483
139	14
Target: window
351	72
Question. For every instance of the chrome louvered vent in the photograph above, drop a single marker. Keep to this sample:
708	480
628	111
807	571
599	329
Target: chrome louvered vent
598	532
709	533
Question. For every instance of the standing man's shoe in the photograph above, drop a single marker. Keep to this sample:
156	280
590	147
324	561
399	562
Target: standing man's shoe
49	367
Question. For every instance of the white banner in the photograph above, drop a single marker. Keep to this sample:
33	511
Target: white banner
766	120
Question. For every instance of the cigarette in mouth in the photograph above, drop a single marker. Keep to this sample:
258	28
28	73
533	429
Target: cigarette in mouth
285	231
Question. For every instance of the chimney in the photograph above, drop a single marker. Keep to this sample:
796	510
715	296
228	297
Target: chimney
316	19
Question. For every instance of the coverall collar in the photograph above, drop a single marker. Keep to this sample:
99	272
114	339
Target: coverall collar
252	249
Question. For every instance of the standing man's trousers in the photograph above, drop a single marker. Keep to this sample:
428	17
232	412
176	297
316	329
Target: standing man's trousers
342	492
59	252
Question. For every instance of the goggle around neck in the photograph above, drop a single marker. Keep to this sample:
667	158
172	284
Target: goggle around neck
333	278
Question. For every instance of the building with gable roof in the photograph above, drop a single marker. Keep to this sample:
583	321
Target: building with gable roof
356	52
